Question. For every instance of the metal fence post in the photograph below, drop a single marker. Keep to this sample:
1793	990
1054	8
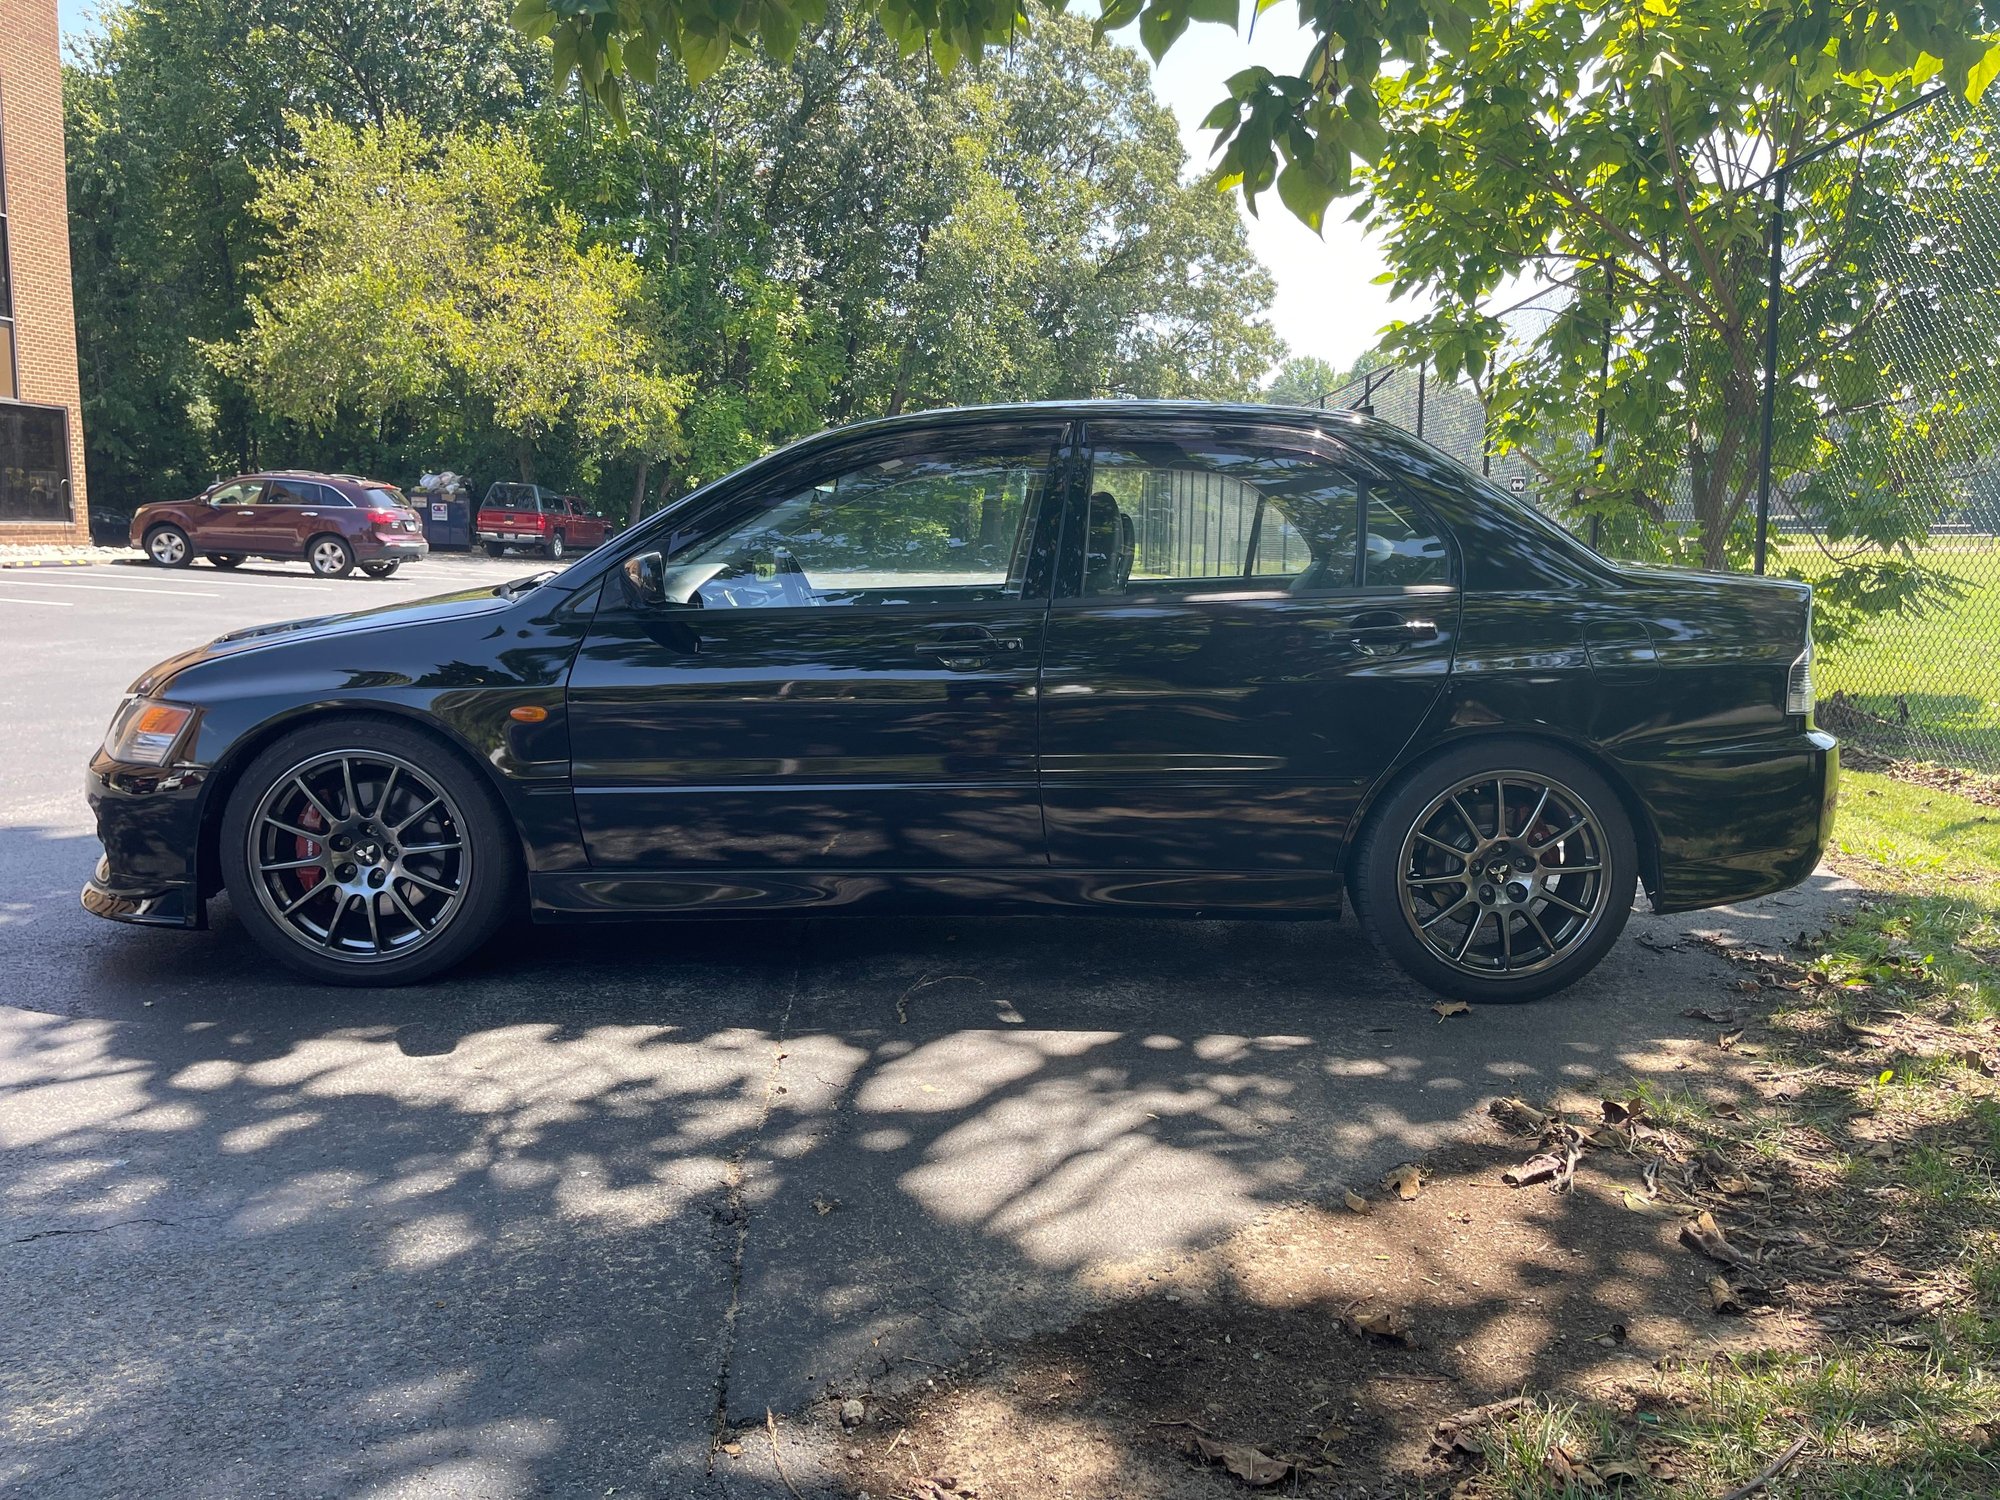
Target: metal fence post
1773	300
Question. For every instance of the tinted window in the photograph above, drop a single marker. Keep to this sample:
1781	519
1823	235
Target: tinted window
290	492
326	494
514	497
1171	515
1403	548
388	499
901	530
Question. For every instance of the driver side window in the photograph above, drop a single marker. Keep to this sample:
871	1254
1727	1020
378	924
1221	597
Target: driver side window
245	492
904	529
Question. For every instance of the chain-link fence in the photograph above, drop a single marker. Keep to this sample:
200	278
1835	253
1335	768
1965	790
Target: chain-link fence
1857	447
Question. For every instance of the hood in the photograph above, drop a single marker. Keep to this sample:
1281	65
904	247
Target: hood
469	602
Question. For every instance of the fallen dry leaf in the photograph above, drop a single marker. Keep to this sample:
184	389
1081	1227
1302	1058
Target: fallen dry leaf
1253	1466
1729	1039
1728	1111
1450	1008
1382	1322
1705	1235
825	1205
1714	1016
1405	1181
1617	1470
1355	1201
1618	1111
1722	1296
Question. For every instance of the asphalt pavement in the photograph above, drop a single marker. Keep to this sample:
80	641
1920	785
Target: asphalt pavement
547	1225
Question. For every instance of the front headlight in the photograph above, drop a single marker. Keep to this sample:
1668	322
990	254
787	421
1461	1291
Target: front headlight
144	732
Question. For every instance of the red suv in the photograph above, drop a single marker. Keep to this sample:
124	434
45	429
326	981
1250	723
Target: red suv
526	515
333	521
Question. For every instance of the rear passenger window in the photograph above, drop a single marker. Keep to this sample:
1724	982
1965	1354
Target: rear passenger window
1183	515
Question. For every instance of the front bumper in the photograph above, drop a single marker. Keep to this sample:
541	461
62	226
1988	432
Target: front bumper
149	822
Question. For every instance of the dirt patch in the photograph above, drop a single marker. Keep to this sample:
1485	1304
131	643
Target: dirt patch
1751	1195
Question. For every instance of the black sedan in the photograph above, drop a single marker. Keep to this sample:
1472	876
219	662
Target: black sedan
1098	657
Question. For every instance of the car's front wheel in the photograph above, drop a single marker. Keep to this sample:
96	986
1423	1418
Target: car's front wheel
169	547
496	549
366	853
224	559
381	569
1499	871
329	557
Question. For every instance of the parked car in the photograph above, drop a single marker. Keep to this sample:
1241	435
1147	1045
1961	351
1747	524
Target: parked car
1098	657
526	515
332	521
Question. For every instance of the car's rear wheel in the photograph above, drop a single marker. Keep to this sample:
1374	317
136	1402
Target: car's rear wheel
224	559
366	853
496	549
1499	871
169	547
554	549
329	557
381	569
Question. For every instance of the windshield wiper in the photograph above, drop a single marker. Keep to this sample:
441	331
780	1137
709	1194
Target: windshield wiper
514	587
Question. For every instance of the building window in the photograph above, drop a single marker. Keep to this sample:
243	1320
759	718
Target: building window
34	463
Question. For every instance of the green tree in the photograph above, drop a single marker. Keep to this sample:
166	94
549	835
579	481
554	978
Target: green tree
1302	131
1302	380
169	107
403	270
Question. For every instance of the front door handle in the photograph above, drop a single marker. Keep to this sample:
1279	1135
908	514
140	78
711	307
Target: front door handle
969	649
309	513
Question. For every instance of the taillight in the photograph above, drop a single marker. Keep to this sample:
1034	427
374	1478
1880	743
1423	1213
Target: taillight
384	517
1798	682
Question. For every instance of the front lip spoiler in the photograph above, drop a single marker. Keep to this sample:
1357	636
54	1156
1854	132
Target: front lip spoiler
176	906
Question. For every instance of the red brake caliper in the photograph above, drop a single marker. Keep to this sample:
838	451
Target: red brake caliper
308	849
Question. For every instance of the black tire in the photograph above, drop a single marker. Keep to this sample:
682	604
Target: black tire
169	547
224	559
491	875
329	556
554	548
1516	884
496	549
381	569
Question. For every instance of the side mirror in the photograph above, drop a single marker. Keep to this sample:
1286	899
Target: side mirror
645	578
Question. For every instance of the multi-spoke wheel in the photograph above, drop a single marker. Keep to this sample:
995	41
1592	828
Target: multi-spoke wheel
1497	872
169	547
361	853
329	557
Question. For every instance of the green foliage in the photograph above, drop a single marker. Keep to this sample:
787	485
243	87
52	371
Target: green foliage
1305	131
848	233
405	270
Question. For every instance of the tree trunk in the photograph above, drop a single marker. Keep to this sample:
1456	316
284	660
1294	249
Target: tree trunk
524	455
637	509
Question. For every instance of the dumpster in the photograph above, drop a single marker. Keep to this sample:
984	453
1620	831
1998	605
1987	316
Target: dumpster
444	500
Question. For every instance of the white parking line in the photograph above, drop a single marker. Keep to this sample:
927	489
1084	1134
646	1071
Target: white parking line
234	583
108	588
46	603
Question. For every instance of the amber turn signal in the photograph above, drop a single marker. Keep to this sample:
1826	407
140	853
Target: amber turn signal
528	713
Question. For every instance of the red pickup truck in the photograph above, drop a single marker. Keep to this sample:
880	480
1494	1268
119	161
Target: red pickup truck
526	515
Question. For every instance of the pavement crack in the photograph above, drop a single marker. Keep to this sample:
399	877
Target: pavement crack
49	1234
737	1210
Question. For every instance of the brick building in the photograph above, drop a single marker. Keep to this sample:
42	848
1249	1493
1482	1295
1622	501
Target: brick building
41	425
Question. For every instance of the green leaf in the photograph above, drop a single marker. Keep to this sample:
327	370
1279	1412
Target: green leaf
534	20
1222	116
1983	73
1220	12
1451	24
1306	192
562	61
1160	27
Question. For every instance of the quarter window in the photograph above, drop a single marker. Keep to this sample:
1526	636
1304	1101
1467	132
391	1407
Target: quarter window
903	530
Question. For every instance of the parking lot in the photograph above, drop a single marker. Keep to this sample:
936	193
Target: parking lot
550	1225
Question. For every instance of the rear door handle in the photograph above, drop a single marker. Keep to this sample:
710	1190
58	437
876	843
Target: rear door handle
967	650
309	513
1381	627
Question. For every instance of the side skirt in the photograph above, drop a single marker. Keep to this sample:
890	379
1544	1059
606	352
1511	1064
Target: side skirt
567	896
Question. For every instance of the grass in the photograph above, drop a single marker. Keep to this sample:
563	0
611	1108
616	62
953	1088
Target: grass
1940	664
1892	1150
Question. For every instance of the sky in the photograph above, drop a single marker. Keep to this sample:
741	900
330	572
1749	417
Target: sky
1326	304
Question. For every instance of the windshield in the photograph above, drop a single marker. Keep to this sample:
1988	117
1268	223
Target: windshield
386	495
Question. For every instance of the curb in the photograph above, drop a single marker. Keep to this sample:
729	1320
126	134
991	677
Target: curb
55	562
